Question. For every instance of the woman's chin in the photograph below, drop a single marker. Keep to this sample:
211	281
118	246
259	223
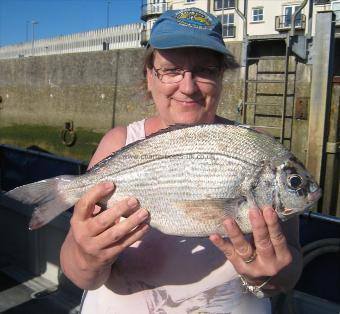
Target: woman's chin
193	118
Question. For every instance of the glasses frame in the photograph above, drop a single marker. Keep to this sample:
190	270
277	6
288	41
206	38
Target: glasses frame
182	73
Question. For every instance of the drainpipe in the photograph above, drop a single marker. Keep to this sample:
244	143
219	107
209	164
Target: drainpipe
245	9
244	61
310	19
243	17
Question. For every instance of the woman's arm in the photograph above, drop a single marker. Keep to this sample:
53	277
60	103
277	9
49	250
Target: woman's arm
95	238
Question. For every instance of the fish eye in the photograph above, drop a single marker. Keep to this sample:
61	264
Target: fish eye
294	181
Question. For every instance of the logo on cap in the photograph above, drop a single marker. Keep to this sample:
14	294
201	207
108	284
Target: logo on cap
194	18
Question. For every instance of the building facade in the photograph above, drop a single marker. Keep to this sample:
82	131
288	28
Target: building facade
249	17
254	19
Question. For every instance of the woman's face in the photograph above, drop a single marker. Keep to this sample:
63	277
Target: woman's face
190	100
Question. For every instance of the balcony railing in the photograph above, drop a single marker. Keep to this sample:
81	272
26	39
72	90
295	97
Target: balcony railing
229	31
151	9
284	22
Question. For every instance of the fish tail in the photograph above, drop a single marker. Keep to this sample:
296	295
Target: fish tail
49	197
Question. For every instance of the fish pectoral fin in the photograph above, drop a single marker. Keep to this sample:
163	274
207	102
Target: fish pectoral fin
211	209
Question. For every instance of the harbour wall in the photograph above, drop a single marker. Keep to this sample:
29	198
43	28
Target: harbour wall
96	90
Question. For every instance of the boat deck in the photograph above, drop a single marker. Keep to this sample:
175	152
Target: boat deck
22	293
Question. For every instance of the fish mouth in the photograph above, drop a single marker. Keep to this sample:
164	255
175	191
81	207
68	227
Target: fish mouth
290	212
314	196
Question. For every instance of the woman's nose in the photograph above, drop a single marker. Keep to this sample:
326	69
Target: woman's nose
188	84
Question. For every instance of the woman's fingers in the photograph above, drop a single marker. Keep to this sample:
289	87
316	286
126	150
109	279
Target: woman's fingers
266	255
110	216
122	229
277	237
86	205
262	240
133	236
241	246
224	245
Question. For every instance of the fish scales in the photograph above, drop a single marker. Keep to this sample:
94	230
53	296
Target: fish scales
191	178
180	142
162	201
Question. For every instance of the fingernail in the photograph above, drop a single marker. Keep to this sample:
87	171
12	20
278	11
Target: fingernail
254	212
108	185
269	211
132	202
143	213
229	223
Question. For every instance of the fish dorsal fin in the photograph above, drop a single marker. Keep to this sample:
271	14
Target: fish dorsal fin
179	126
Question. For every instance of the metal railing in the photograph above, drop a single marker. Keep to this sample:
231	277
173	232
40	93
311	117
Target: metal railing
149	9
116	37
284	22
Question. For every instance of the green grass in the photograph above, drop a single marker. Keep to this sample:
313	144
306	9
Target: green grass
49	138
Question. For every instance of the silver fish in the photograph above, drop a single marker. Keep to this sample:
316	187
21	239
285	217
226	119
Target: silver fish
190	178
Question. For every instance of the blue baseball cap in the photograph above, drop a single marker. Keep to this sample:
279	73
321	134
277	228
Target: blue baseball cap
191	27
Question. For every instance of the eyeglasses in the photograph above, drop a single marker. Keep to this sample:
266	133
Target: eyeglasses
201	74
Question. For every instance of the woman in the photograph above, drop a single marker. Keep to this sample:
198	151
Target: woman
127	267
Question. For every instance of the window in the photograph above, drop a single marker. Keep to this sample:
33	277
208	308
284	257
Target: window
228	24
157	6
224	4
288	15
257	14
189	1
336	8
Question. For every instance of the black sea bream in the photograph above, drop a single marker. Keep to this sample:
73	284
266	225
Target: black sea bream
190	178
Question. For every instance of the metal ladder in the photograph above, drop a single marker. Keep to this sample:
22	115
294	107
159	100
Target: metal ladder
269	94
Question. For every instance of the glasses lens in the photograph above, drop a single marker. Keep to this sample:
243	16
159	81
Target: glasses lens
206	74
200	74
170	75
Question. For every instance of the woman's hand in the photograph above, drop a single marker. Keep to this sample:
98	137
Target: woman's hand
266	255
96	240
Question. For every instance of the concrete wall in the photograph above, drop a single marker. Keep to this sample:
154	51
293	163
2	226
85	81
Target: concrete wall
94	89
99	89
83	87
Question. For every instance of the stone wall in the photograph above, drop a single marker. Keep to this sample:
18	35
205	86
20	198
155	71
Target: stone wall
82	87
96	89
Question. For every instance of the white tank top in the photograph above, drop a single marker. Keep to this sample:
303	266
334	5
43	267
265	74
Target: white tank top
171	275
135	132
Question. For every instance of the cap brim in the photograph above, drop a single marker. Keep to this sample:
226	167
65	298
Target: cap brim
172	41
